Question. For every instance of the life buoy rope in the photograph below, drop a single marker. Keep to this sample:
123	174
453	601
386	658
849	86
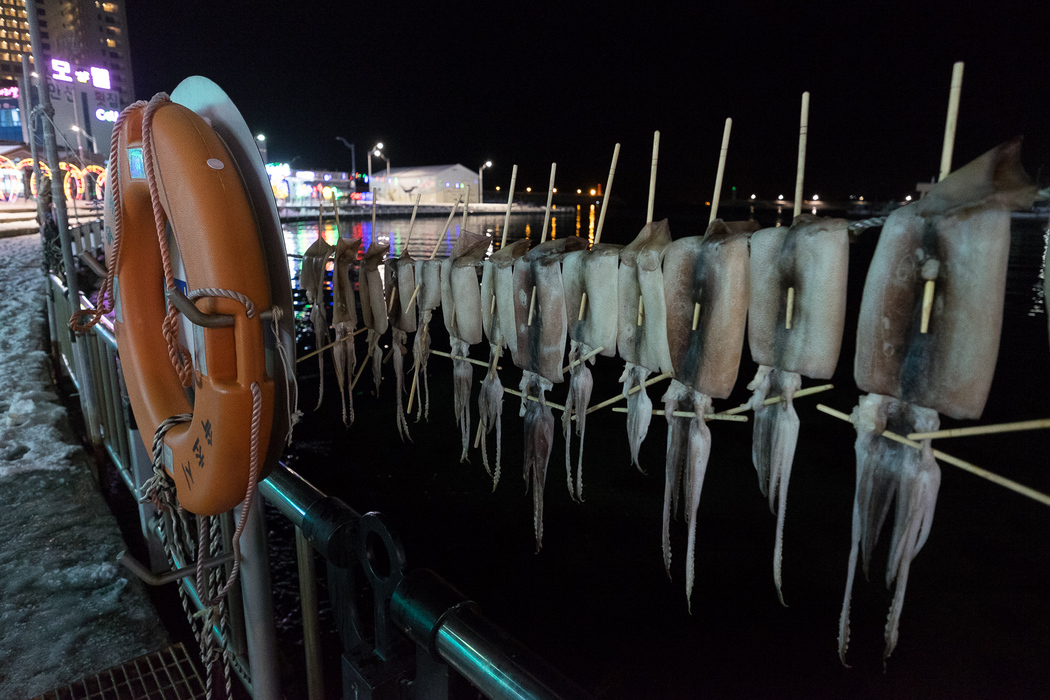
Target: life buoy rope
170	326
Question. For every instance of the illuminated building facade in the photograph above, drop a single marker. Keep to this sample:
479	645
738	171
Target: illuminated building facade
85	49
436	183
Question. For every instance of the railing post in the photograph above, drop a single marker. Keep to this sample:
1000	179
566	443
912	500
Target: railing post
311	624
80	359
258	606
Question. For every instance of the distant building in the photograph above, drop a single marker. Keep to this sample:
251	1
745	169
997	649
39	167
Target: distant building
436	183
84	46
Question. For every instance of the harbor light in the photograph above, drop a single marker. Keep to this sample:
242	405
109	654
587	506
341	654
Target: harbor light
908	198
528	189
861	198
752	196
555	190
579	191
816	198
497	188
593	192
261	137
780	198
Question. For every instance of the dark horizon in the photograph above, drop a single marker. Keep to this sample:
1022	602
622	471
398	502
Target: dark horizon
447	85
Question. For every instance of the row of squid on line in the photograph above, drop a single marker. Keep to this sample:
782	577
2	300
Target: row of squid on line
927	342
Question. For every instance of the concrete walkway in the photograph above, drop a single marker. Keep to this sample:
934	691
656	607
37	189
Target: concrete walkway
67	610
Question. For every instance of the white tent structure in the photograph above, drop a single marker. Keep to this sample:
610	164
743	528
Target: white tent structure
437	183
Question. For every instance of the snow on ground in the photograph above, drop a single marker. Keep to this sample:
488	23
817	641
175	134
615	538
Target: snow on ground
67	610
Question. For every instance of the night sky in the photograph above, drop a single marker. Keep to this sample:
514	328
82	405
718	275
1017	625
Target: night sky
518	83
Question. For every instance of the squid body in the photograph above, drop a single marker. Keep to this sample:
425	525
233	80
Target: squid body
641	334
803	266
706	290
958	239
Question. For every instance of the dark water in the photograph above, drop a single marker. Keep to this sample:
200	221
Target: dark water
596	601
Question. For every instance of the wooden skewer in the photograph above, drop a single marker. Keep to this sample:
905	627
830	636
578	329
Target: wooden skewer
433	254
412	299
696	315
550	197
790	307
415	372
466	207
583	306
605	197
954	461
412	223
1038	424
718	178
510	202
543	233
361	370
634	390
641	309
652	178
803	134
927	306
448	224
744	407
553	405
691	414
393	298
492	306
318	351
374	190
952	120
583	359
471	360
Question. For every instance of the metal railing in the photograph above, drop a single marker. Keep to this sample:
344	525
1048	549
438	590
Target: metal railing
420	626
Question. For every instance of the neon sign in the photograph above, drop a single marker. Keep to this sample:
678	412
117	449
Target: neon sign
65	72
11	92
106	115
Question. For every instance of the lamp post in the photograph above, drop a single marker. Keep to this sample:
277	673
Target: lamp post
81	133
378	153
261	138
481	181
353	153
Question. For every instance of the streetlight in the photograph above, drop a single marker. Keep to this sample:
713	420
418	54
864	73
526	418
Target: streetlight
261	138
80	132
377	151
481	181
353	153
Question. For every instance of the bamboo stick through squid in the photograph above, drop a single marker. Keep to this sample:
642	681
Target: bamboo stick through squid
691	414
652	178
510	203
718	177
803	135
952	120
605	195
332	344
1038	424
954	461
744	407
543	234
633	390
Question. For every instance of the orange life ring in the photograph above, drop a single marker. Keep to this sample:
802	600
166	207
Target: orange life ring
212	220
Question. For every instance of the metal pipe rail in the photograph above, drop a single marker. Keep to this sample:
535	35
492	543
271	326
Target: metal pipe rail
445	626
447	629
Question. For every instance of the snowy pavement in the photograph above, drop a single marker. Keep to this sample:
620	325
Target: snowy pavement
67	610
